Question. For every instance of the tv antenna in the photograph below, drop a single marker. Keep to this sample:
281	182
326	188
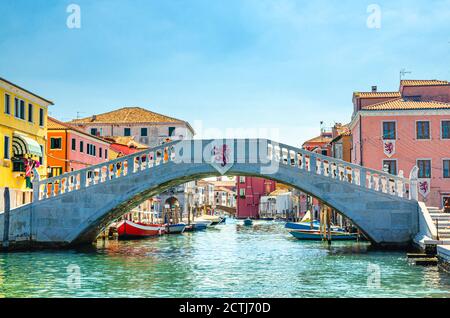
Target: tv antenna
403	72
78	114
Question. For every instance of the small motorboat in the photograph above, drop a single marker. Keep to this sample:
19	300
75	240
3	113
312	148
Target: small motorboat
201	222
313	235
129	229
176	228
248	222
213	218
199	226
307	226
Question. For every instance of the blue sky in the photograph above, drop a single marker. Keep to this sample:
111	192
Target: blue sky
276	66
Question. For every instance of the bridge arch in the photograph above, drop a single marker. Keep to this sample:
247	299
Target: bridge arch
72	208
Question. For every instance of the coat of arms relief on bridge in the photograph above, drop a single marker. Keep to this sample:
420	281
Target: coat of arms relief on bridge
222	155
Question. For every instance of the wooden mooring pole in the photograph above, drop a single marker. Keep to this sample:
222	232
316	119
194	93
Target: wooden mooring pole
6	215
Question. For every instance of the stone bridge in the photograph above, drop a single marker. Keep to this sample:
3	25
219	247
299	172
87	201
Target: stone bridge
73	208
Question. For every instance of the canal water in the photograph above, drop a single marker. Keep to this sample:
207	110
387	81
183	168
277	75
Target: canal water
230	260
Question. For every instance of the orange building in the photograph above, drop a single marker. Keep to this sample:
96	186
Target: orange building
70	149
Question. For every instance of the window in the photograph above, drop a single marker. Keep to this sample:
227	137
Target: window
55	143
144	132
242	179
423	130
446	168
94	131
445	129
55	171
18	165
389	131
19	108
88	149
7	104
424	168
22	109
6	147
41	159
415	98
324	152
106	153
390	166
171	131
41	117
16	107
242	193
127	132
100	152
74	144
30	113
81	146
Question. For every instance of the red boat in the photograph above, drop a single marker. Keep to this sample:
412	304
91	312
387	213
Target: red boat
128	229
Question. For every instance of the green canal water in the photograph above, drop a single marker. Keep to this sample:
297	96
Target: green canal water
228	261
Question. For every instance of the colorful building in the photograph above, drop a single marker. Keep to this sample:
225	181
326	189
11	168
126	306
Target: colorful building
249	191
23	134
341	142
320	144
402	132
70	149
147	127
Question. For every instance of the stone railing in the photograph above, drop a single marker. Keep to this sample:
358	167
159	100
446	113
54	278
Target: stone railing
251	151
344	171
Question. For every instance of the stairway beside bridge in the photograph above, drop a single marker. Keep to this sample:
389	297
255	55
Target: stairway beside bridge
442	222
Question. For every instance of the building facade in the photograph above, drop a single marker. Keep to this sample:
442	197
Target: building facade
23	134
70	149
401	133
147	128
249	191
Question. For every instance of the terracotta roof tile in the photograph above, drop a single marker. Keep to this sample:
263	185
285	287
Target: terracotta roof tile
423	83
54	124
128	115
377	94
401	104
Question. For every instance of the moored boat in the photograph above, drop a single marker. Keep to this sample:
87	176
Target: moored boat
129	229
313	235
214	219
248	222
176	228
200	226
307	226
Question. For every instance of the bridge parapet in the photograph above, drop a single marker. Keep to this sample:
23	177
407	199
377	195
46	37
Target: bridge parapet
222	154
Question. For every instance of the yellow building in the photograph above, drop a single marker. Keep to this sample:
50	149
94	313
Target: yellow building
23	134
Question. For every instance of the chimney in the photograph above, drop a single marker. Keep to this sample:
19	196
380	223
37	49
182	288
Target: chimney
374	89
94	117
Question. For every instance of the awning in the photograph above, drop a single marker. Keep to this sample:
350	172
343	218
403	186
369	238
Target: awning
23	145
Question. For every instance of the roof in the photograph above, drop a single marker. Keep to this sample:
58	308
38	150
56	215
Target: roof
319	139
279	192
125	141
377	94
128	115
423	83
401	104
27	91
54	124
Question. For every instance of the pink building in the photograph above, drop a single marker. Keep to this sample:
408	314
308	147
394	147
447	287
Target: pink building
406	129
249	192
69	148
